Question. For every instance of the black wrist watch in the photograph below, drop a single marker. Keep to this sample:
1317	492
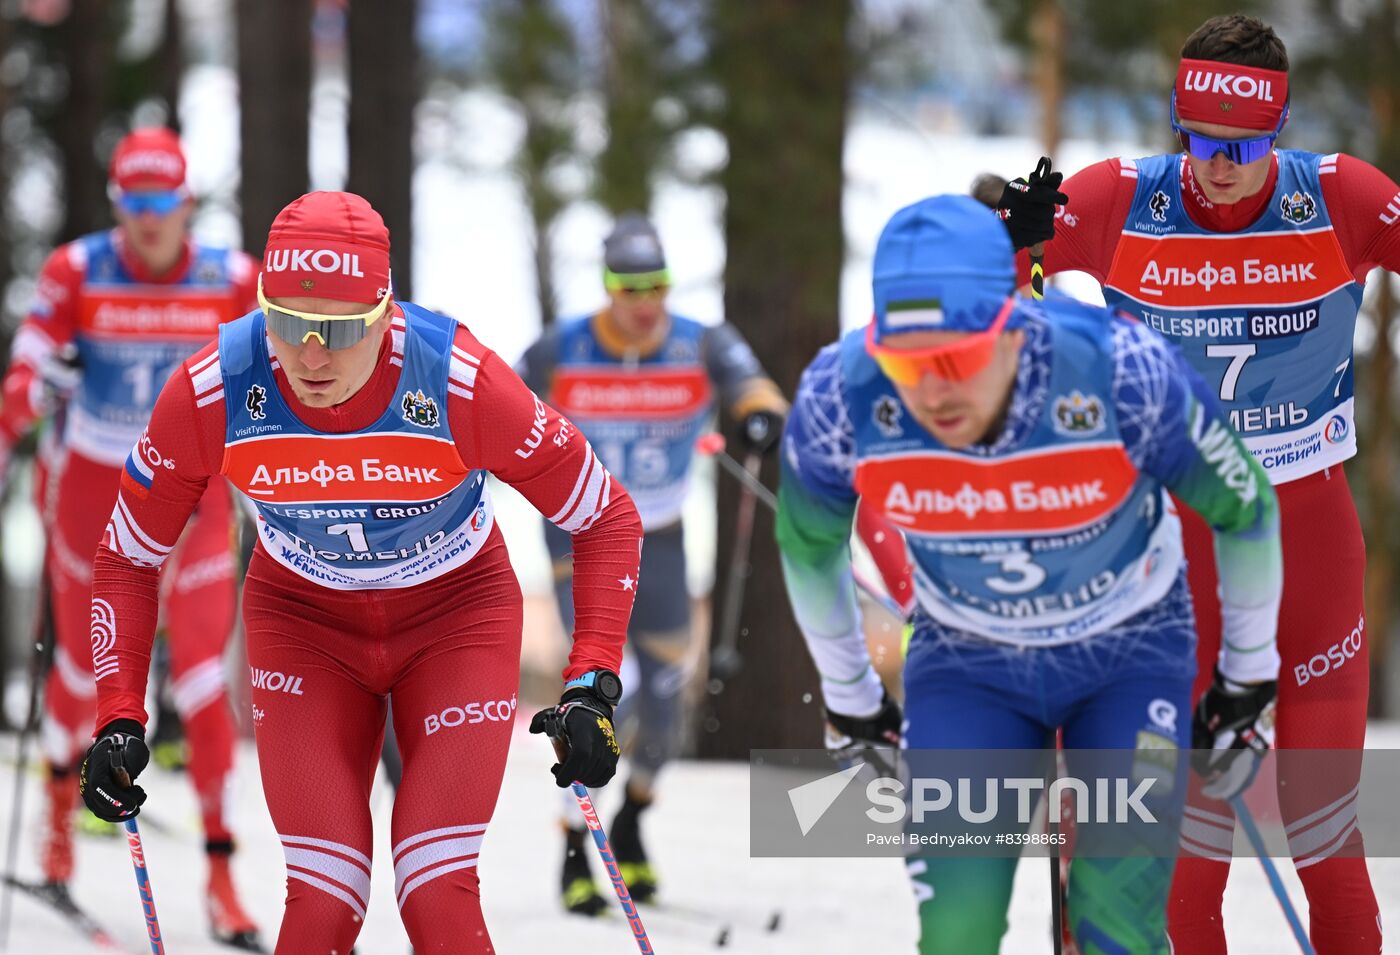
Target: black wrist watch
605	683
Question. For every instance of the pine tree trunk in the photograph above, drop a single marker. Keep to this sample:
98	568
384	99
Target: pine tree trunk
87	53
544	209
629	159
274	94
172	62
7	164
385	86
785	67
1049	37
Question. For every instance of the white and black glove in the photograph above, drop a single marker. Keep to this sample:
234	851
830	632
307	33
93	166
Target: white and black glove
61	374
1231	731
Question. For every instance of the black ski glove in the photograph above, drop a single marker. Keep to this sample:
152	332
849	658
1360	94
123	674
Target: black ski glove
864	738
1231	731
1027	205
105	779
762	429
882	729
582	731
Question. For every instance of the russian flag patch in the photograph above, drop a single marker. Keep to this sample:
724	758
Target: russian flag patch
137	476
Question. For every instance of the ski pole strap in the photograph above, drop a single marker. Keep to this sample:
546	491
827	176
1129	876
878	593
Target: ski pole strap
143	886
769	500
624	898
748	479
1271	871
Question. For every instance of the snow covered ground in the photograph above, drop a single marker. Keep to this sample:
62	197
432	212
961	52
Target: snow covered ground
699	836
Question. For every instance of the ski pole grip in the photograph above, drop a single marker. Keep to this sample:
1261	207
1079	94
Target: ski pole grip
119	772
560	742
1038	271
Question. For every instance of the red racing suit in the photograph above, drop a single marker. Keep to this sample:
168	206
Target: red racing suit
348	600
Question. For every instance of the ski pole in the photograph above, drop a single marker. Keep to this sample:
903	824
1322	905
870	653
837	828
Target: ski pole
600	839
1271	871
143	885
1037	251
712	445
138	863
1052	829
38	670
725	660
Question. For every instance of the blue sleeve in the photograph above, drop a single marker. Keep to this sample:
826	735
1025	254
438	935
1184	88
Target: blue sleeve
819	445
1154	390
816	506
1174	430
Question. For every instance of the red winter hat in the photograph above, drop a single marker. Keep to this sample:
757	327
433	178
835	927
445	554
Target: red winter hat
327	245
148	157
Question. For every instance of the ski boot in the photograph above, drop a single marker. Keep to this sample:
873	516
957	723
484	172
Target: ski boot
170	750
626	838
580	893
90	827
228	922
56	845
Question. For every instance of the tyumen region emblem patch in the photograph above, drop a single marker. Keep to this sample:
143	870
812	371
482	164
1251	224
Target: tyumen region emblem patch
1078	416
419	409
1298	208
886	414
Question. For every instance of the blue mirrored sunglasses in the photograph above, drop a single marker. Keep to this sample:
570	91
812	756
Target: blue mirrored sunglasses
1238	151
160	203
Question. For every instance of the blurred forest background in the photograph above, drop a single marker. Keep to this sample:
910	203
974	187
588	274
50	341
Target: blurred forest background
607	101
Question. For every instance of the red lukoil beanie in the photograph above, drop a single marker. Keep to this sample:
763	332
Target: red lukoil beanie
148	158
327	245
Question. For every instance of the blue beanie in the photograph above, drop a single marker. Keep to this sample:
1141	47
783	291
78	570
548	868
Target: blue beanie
942	264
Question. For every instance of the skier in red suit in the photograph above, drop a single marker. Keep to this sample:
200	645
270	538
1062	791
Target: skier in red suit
363	429
1253	260
116	312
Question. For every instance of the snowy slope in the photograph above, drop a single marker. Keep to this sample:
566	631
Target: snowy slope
700	841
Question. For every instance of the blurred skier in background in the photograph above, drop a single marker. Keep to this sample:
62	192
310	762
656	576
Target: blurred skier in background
642	383
116	312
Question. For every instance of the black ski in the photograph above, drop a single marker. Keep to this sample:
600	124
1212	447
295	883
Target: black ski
721	927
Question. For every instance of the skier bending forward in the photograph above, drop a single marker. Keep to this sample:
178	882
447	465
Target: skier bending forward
1054	427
